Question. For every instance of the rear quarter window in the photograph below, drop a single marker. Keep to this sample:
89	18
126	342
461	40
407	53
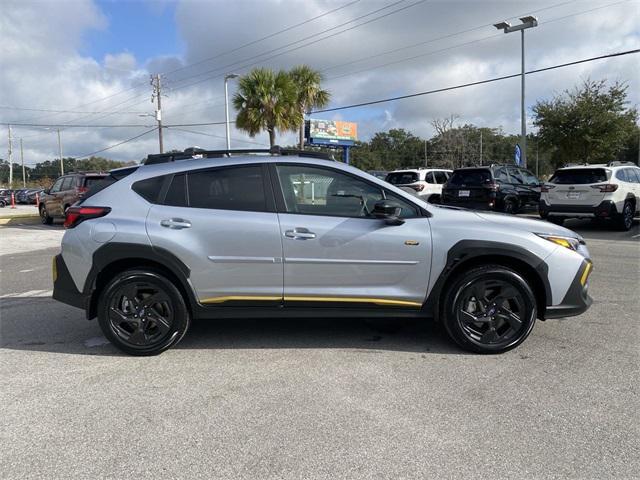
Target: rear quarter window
149	188
579	176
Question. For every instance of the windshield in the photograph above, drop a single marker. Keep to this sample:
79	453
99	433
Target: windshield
579	176
402	178
470	177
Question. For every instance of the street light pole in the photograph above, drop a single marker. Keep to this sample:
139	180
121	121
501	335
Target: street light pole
60	153
527	22
226	106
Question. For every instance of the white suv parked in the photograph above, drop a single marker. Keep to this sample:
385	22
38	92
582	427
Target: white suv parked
427	182
610	191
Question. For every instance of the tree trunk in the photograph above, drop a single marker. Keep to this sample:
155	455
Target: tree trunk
272	137
302	136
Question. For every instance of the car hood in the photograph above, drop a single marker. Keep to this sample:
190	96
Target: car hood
527	224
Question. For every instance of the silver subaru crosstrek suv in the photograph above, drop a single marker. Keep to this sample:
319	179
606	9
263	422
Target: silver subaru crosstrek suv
219	234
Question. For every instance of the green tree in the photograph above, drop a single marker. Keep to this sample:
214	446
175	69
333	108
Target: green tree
266	100
309	93
589	124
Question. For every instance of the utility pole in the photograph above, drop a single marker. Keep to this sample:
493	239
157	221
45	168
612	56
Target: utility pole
426	159
24	182
60	153
480	147
10	160
157	96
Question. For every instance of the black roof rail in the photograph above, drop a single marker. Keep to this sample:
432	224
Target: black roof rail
196	152
617	163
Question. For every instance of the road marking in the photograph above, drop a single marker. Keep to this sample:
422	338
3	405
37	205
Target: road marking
30	293
27	270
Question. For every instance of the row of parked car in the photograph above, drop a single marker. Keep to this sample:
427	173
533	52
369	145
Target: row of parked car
600	192
22	195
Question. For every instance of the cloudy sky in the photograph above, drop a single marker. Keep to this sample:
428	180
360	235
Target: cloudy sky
87	62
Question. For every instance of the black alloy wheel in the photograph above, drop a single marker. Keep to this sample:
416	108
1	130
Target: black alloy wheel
44	216
509	207
142	313
625	219
490	310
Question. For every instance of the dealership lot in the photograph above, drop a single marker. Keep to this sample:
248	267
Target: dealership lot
318	398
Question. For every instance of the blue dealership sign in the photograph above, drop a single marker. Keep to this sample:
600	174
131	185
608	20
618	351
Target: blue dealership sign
518	155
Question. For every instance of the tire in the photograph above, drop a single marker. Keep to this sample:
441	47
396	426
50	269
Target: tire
505	314
624	220
556	220
510	207
2	204
44	216
133	324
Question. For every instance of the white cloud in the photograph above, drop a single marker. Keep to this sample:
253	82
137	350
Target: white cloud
43	65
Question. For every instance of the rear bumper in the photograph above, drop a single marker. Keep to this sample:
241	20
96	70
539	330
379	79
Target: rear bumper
577	299
64	289
605	209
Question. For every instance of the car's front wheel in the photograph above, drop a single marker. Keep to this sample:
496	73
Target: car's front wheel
44	216
624	220
489	309
142	312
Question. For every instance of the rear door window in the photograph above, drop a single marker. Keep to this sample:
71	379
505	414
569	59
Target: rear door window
67	184
622	175
236	188
470	177
501	175
430	177
516	176
635	174
441	177
579	176
402	178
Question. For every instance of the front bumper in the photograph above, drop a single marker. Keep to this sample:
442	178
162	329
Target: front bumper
577	299
64	289
606	209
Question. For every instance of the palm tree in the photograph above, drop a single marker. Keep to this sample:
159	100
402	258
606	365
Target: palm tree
266	100
309	93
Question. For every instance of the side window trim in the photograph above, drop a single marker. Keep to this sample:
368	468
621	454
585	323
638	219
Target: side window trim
279	197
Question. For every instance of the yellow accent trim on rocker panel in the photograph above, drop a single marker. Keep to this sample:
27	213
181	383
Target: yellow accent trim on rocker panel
585	274
377	301
241	298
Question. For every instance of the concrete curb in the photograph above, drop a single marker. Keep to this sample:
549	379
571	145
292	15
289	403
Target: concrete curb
20	219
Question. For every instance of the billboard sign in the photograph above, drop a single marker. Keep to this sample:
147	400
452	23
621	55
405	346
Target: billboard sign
334	132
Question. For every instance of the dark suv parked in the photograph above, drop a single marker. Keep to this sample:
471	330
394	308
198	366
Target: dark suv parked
66	191
497	187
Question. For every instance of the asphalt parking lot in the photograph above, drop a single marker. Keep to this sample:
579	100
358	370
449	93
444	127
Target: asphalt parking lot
303	398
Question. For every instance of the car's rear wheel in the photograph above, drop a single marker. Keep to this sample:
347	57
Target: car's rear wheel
624	221
142	312
489	309
44	216
510	206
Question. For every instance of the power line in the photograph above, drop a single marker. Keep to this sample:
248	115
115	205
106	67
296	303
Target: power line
116	144
480	82
8	107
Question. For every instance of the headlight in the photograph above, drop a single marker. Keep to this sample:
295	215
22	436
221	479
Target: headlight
571	243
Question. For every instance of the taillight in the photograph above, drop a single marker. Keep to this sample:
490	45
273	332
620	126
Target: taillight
546	188
606	187
494	187
418	188
81	189
77	215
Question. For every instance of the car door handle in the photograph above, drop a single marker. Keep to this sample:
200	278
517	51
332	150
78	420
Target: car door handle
176	223
299	233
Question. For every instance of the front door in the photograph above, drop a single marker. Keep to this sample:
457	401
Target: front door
222	225
336	253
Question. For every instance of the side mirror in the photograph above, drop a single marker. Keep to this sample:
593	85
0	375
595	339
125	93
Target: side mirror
388	212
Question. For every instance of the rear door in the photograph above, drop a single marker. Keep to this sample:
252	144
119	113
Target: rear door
574	186
336	253
221	223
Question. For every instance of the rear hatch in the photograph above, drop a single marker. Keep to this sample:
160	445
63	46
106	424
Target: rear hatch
470	185
577	186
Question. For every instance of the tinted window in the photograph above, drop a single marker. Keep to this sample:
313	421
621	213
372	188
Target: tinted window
149	188
634	173
622	175
529	178
91	181
501	175
516	176
401	178
238	188
430	177
441	177
56	186
579	176
177	193
319	191
67	184
470	177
